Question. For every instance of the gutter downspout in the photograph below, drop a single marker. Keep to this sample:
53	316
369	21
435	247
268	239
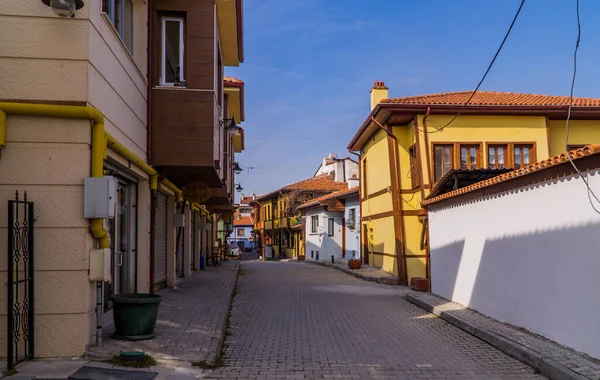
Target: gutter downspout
430	178
396	183
149	56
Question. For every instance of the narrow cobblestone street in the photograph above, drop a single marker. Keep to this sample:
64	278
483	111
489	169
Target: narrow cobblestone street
299	321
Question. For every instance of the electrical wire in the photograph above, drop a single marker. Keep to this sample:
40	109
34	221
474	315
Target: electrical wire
486	72
581	175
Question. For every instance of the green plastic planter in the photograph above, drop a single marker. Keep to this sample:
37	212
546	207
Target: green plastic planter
135	315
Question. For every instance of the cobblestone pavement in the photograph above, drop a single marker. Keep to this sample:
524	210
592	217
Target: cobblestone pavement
300	321
190	320
577	362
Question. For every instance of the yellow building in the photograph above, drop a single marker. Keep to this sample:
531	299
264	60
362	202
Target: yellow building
277	218
408	144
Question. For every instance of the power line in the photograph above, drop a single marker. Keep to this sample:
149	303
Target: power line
581	175
486	72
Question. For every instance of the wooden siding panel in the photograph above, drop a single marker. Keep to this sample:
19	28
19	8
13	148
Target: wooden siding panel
182	133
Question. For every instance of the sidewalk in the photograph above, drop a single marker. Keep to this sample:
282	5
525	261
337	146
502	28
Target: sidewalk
365	272
549	358
191	321
83	369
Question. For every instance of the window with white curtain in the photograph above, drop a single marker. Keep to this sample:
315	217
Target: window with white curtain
172	51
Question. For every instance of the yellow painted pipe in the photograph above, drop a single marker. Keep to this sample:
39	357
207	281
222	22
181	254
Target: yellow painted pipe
2	131
170	185
73	112
116	146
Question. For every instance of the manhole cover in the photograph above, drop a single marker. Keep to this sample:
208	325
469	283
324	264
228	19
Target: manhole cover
93	373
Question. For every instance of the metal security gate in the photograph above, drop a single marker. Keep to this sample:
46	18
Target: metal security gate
160	242
20	281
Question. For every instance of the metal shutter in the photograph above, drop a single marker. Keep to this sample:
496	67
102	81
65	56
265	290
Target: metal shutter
160	242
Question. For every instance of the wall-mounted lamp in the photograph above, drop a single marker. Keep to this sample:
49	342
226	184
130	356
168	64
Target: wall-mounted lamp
230	125
237	169
64	8
239	188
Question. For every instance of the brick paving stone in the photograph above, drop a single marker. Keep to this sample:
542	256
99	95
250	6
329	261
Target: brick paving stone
190	320
292	320
580	363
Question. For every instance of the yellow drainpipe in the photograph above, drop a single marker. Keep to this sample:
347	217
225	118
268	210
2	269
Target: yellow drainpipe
100	141
74	112
176	190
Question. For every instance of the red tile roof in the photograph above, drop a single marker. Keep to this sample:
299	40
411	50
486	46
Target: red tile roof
493	98
232	82
322	182
243	221
338	194
538	166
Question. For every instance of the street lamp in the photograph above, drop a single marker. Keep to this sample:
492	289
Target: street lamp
230	125
239	187
64	8
237	169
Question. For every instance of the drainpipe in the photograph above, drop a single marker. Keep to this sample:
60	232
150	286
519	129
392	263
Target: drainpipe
75	112
149	78
426	140
100	141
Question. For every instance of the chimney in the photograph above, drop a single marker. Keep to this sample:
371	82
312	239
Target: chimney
353	181
378	93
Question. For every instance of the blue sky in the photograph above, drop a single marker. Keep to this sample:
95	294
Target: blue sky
310	65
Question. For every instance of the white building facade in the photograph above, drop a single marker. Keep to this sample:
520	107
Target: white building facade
332	226
523	248
343	169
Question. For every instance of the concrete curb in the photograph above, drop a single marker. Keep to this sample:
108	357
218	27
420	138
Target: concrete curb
213	357
546	366
379	280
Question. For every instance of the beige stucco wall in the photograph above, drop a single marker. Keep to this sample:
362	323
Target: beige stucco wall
50	59
51	168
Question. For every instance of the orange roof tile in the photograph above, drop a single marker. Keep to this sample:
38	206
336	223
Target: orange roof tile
243	221
232	82
538	166
493	98
322	182
338	194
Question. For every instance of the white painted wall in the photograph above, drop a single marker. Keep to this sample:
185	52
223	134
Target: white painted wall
529	257
353	235
321	242
344	168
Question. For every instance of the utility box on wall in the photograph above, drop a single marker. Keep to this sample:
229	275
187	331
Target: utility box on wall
179	220
100	264
100	195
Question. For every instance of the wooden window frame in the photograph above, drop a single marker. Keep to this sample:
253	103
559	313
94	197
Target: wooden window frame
163	73
314	227
351	223
478	154
509	159
330	227
455	154
415	167
507	163
452	156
